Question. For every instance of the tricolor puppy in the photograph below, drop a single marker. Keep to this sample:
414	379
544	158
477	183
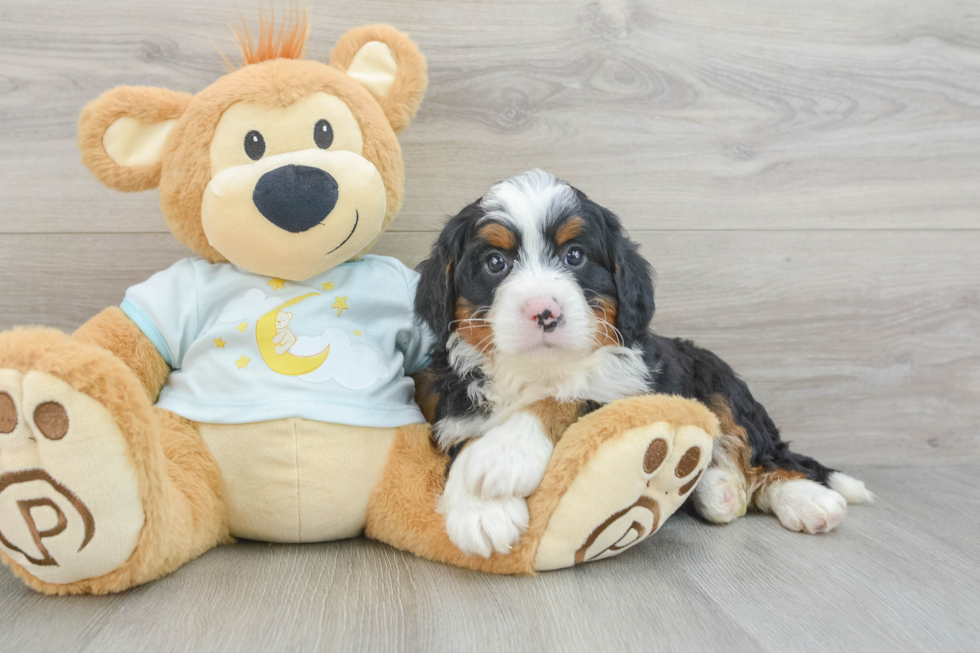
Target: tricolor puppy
542	308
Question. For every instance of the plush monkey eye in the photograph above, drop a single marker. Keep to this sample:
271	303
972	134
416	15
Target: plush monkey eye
495	263
254	145
322	134
574	257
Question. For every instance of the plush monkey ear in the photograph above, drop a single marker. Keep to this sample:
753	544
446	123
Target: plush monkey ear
389	65
122	134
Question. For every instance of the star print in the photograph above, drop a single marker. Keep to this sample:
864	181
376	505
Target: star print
242	327
357	333
340	305
242	362
277	283
328	285
219	343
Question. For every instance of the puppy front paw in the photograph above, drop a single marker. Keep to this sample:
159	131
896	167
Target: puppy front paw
481	526
506	462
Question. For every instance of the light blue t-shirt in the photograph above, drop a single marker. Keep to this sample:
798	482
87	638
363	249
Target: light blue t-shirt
246	348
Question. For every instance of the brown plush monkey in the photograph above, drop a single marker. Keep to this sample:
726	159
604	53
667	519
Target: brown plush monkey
144	439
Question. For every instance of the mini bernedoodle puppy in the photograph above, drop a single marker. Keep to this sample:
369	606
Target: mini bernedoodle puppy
535	293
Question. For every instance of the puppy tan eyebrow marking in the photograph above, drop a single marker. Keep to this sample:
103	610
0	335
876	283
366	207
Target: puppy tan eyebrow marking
498	235
571	228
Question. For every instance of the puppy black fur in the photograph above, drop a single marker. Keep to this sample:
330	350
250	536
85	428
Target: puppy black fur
614	273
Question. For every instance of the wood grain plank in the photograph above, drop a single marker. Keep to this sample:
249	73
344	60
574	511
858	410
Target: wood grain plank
864	346
682	115
895	576
803	176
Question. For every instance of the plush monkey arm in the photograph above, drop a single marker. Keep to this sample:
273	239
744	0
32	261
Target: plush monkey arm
114	331
556	416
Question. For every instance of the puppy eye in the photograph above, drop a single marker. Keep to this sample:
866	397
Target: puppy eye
254	145
574	257
322	134
495	263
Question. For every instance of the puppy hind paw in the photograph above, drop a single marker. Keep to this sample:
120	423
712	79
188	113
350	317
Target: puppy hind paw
720	497
804	506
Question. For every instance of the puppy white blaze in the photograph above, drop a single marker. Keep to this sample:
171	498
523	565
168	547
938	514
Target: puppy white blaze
528	204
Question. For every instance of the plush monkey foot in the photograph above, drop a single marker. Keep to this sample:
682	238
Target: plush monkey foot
70	505
89	503
617	483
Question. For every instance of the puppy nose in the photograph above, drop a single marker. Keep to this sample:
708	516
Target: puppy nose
545	311
295	198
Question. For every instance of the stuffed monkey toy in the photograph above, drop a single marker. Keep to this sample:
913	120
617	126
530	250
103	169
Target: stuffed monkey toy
262	388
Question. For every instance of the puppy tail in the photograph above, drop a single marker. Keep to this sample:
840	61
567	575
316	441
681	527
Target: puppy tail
850	488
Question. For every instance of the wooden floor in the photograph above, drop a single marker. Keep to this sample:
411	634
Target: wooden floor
900	575
805	177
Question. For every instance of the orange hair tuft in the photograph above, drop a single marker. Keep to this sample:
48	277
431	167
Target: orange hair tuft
288	43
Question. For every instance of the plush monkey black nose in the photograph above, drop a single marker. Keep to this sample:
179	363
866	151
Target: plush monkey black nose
295	198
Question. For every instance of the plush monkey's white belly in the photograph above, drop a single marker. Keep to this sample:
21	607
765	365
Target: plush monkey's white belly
296	480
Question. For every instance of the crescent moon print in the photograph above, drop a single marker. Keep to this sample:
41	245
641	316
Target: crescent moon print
268	338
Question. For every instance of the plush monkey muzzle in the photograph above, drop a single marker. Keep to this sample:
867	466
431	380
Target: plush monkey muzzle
295	198
310	210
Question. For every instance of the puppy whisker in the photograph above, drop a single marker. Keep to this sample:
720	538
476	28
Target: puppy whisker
467	320
607	327
479	345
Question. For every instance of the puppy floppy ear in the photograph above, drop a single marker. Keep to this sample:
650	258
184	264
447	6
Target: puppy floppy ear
435	301
123	133
634	282
389	65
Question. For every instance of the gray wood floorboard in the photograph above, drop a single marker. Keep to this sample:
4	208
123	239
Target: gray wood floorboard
899	575
700	114
804	177
864	346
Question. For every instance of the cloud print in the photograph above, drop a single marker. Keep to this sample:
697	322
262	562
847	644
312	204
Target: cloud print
354	366
250	307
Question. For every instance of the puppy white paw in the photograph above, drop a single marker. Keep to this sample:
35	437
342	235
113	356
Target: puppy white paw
720	497
480	526
508	461
802	505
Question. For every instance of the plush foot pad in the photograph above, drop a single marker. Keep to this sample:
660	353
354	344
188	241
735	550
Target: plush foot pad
624	493
70	506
